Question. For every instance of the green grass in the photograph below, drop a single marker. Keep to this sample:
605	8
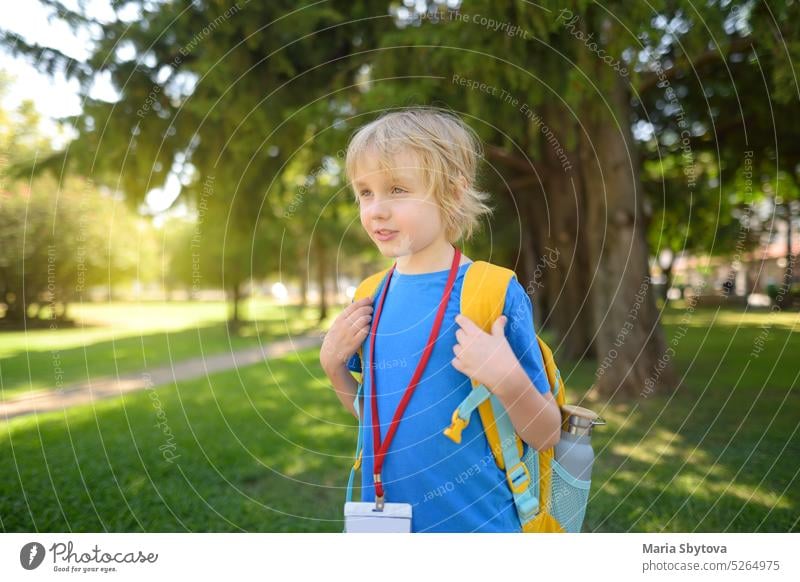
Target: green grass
720	453
119	338
268	448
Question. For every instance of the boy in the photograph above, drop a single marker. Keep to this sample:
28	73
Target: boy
413	173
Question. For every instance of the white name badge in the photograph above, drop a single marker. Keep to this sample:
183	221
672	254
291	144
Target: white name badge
362	517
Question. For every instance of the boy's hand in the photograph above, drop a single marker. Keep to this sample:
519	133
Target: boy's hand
485	357
346	334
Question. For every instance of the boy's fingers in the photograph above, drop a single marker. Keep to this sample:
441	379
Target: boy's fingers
467	324
362	312
357	313
357	304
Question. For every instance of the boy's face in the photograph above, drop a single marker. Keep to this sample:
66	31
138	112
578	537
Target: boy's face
396	210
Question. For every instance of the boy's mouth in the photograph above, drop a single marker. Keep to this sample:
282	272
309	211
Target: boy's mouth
385	234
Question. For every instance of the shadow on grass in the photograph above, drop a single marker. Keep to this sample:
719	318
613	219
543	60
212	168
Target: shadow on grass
720	453
267	448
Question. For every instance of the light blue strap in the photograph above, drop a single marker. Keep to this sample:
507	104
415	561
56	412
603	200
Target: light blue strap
526	502
475	398
356	407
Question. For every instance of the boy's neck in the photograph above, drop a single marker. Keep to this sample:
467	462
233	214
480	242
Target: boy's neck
437	256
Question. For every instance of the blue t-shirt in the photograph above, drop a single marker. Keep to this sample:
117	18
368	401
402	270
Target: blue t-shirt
451	487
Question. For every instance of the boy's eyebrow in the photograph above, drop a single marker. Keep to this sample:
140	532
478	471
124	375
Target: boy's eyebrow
396	178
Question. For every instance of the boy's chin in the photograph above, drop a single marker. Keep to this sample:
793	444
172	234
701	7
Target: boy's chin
394	253
391	253
395	248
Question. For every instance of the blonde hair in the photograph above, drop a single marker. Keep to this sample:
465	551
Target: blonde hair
446	149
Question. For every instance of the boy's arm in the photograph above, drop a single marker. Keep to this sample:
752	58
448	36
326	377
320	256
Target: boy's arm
524	389
517	375
535	415
491	359
343	333
344	385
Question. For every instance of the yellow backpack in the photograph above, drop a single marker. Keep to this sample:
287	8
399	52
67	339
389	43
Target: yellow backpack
546	496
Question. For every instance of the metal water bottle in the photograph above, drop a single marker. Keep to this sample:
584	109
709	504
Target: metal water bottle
574	451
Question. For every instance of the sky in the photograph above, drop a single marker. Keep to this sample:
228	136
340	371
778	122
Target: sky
56	97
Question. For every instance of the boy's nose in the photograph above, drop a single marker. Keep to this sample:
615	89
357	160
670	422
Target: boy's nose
378	209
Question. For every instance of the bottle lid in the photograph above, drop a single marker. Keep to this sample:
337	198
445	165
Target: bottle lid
580	420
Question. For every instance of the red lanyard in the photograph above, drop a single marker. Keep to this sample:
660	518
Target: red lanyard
379	449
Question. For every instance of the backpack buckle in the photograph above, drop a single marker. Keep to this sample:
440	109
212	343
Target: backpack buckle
518	477
457	426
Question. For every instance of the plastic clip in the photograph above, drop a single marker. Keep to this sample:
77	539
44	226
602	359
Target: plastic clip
453	432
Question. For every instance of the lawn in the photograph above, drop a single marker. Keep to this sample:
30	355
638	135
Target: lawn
268	448
264	449
117	338
720	453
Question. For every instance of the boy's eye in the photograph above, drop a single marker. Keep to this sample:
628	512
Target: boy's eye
397	190
364	193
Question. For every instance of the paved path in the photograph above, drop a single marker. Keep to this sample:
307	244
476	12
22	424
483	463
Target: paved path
75	394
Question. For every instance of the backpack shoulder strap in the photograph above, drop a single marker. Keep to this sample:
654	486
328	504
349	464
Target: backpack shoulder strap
544	522
483	296
482	300
557	387
529	475
368	286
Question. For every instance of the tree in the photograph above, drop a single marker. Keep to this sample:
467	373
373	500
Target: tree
555	119
208	91
727	115
58	237
555	90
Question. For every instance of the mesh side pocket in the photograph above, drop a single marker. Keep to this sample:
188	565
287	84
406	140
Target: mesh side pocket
569	497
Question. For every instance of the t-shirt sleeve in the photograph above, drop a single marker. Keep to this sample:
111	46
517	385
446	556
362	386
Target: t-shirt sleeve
521	335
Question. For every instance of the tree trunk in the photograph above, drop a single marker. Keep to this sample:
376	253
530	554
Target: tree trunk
562	258
321	264
303	262
235	295
668	279
631	348
13	308
554	260
531	279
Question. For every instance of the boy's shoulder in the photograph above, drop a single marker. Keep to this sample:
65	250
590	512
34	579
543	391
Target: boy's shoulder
496	270
485	279
481	276
367	286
